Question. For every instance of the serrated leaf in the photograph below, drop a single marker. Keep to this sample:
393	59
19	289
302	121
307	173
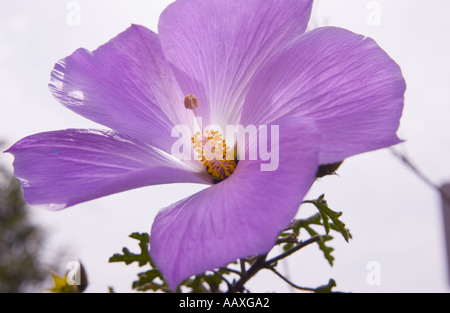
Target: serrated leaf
333	227
213	282
313	220
142	237
196	284
324	210
334	216
128	257
326	249
146	281
326	224
322	246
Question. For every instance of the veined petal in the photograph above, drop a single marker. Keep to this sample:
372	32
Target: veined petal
239	217
344	81
216	46
62	168
126	85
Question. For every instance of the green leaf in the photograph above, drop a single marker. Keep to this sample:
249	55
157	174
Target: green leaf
334	227
146	281
313	220
196	284
322	244
150	280
142	237
213	282
334	216
287	246
326	224
128	257
326	213
326	249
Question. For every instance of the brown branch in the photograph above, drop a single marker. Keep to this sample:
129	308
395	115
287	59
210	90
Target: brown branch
291	283
231	270
243	269
291	238
255	268
261	263
420	175
301	245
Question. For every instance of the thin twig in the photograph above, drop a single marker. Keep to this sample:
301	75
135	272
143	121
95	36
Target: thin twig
419	174
291	283
232	271
301	245
243	270
405	160
261	263
223	278
255	268
292	238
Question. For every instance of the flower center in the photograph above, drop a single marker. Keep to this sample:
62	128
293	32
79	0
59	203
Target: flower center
211	148
212	151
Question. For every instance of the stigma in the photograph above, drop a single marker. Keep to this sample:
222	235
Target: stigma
191	102
213	152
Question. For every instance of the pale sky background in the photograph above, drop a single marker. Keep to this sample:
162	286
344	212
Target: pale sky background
395	219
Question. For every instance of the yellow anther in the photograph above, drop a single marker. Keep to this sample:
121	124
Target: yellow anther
213	157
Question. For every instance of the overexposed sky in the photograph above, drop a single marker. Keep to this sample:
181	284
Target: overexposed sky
395	219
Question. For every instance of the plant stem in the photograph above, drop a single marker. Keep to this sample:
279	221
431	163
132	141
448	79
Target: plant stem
243	270
255	268
421	175
291	283
301	245
261	263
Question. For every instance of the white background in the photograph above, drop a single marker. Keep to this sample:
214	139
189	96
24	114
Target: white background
395	218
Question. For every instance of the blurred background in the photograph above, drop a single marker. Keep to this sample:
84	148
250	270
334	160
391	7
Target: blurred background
394	216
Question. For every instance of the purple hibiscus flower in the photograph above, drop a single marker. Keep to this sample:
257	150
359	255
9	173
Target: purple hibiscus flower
332	93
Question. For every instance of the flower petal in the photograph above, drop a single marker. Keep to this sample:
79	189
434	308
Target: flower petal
345	82
239	217
62	168
125	85
216	46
